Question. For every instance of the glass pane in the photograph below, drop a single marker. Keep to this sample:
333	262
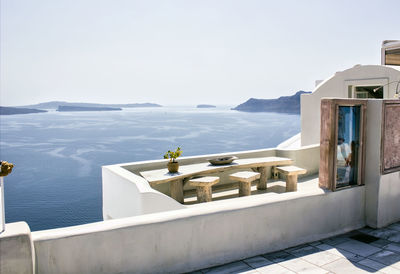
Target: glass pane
348	146
362	95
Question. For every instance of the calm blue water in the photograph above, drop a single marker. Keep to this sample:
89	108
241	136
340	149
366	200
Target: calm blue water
56	181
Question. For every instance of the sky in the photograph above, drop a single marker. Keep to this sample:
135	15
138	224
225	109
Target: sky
183	52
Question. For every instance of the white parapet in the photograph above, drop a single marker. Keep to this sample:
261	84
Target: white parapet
202	235
16	249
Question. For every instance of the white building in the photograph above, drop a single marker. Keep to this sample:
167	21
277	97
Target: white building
356	82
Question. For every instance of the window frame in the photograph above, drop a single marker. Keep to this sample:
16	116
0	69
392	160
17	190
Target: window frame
328	141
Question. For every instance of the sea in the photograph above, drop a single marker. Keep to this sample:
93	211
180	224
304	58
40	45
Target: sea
56	181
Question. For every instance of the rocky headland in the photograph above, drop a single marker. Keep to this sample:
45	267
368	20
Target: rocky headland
76	108
205	106
55	104
14	110
283	104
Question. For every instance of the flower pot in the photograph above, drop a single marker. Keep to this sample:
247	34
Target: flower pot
173	167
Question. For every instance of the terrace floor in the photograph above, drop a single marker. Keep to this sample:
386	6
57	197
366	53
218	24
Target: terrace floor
365	250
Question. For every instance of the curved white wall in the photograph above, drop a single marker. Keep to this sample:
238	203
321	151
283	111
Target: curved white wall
126	194
337	86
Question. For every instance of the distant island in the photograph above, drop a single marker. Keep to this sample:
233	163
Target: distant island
55	104
284	104
206	106
14	110
75	108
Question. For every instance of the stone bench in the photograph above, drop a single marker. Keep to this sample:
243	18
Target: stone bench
245	178
203	187
291	173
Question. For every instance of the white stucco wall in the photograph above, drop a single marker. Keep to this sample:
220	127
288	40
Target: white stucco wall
202	235
389	201
337	86
16	249
382	190
372	161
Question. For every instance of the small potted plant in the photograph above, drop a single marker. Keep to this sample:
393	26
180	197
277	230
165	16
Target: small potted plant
173	164
5	168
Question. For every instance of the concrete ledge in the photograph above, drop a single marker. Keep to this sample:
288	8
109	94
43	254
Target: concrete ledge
16	249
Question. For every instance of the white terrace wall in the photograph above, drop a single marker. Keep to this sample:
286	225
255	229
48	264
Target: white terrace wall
338	86
202	235
17	254
382	190
127	194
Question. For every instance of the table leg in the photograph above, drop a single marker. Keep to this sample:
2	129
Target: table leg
262	183
176	188
291	183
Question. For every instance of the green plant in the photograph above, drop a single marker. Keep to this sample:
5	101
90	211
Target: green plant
5	168
172	155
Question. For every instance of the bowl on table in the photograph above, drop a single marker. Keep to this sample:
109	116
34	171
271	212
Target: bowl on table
222	160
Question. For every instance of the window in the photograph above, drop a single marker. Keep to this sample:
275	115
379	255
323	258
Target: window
342	143
365	92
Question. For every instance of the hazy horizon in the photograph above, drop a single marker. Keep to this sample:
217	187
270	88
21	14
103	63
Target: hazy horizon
123	103
183	52
164	105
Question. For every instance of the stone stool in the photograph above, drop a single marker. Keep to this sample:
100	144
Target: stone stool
203	187
245	178
291	173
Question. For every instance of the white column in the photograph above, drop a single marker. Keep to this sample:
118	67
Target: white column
2	209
